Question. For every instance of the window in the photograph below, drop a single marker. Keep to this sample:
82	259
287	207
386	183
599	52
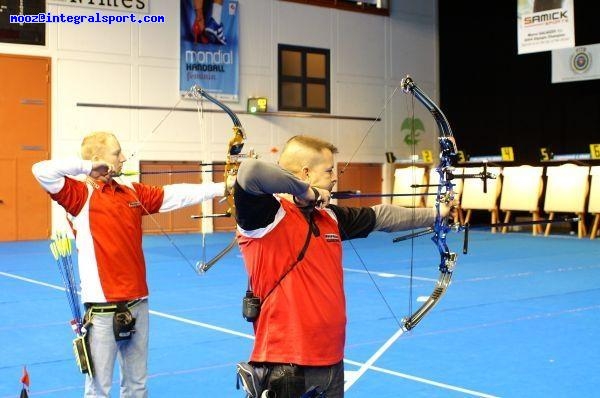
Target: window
379	7
303	79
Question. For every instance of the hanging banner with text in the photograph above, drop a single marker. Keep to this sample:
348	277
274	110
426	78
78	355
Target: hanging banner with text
209	47
544	25
573	64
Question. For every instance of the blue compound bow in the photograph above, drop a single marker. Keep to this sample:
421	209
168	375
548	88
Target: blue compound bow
441	227
445	194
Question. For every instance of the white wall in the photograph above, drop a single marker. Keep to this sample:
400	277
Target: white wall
137	64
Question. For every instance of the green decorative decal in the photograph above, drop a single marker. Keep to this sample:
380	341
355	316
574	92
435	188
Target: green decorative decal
412	129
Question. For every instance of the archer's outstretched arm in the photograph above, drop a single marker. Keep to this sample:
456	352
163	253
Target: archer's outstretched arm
390	218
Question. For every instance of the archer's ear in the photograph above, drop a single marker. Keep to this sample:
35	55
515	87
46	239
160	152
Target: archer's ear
305	173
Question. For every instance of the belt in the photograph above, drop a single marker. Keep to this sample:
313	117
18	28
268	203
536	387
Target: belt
103	308
279	369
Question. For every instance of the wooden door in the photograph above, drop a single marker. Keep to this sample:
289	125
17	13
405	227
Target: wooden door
25	132
364	177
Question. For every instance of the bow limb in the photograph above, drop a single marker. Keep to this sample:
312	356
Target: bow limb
445	194
232	163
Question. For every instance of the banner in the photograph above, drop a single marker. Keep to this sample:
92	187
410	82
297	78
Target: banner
544	25
209	47
573	64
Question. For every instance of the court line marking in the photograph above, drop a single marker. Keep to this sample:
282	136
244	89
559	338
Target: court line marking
201	324
363	366
389	275
425	381
35	282
368	365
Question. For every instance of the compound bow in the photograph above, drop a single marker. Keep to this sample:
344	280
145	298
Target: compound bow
445	194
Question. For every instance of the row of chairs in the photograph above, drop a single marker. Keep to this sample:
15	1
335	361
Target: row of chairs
569	188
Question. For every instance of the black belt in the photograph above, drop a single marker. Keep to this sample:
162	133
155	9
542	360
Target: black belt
283	368
103	308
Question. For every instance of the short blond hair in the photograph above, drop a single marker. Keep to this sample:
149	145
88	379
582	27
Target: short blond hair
95	143
311	142
303	150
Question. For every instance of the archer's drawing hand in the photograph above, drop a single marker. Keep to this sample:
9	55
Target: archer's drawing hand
314	197
323	198
101	169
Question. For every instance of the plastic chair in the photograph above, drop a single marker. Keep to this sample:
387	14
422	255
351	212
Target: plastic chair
474	198
521	190
566	192
403	179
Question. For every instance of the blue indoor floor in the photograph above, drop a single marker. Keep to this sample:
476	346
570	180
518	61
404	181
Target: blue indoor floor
520	319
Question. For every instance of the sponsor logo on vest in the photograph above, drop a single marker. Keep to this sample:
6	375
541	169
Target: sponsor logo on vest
332	237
